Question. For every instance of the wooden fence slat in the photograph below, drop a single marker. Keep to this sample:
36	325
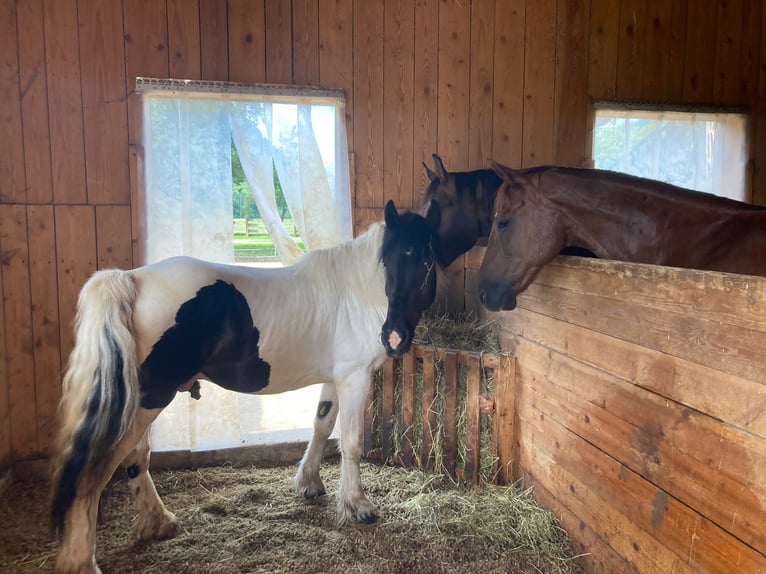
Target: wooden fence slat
387	411
472	426
504	418
407	382
450	412
428	410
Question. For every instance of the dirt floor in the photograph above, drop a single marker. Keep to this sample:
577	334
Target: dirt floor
249	520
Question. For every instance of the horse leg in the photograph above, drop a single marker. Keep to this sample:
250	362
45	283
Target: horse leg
352	503
307	480
77	551
154	520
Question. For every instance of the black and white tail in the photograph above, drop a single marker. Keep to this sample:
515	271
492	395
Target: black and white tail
100	392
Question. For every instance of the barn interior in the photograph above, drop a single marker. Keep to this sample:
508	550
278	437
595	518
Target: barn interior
629	397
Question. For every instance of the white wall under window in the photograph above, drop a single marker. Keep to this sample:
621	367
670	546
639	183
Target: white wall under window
188	132
702	151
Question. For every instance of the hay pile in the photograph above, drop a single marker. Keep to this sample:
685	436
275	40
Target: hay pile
248	520
465	332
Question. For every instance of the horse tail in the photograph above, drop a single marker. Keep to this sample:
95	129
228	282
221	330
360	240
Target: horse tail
100	390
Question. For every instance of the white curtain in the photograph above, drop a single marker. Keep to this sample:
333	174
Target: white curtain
695	150
188	211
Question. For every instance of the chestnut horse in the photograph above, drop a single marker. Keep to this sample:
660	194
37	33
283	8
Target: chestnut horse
146	334
539	211
465	200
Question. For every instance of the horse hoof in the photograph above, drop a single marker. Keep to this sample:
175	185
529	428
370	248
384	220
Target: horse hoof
366	517
310	494
168	530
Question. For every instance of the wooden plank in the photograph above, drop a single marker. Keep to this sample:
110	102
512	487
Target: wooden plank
214	40
687	383
247	41
728	52
428	410
279	42
369	419
398	78
571	84
76	258
368	104
480	96
425	96
306	42
751	37
677	57
450	412
603	49
336	62
104	100
759	124
651	529
539	83
387	411
655	79
65	104
504	418
454	80
17	301
699	63
184	39
45	321
409	370
708	466
508	95
472	427
630	52
5	410
113	231
34	103
13	189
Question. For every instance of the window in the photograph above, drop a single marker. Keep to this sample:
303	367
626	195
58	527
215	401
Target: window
697	150
214	152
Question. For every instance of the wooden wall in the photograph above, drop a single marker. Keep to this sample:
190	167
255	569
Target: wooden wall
640	416
470	79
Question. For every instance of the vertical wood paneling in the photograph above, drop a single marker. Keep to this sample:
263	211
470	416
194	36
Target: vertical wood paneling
508	95
113	237
398	78
571	95
454	81
65	104
424	134
659	16
306	42
102	64
759	127
76	260
751	34
540	50
481	90
630	59
279	45
336	62
34	105
247	41
18	330
214	39
6	456
728	52
184	39
368	103
677	60
45	320
13	189
603	49
699	63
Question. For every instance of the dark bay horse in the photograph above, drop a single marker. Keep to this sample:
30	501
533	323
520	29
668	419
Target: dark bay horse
146	334
539	211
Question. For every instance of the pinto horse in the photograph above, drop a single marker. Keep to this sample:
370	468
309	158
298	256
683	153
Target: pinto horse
146	334
466	200
539	211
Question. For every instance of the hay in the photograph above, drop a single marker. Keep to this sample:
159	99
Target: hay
464	332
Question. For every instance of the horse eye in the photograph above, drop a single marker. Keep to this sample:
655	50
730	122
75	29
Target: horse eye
408	251
503	223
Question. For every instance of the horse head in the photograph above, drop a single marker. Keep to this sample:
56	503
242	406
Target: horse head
465	201
407	255
526	234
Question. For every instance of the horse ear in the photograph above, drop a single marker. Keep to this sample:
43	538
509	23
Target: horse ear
434	216
392	216
432	175
503	171
440	169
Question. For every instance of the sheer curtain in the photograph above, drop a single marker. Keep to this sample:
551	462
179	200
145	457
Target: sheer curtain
187	138
697	150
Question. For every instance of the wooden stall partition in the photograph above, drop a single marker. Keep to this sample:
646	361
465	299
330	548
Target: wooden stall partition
640	416
444	410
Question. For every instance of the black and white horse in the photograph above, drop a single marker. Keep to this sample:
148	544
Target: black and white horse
146	334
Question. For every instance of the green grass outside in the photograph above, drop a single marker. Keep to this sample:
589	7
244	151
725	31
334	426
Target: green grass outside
258	243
